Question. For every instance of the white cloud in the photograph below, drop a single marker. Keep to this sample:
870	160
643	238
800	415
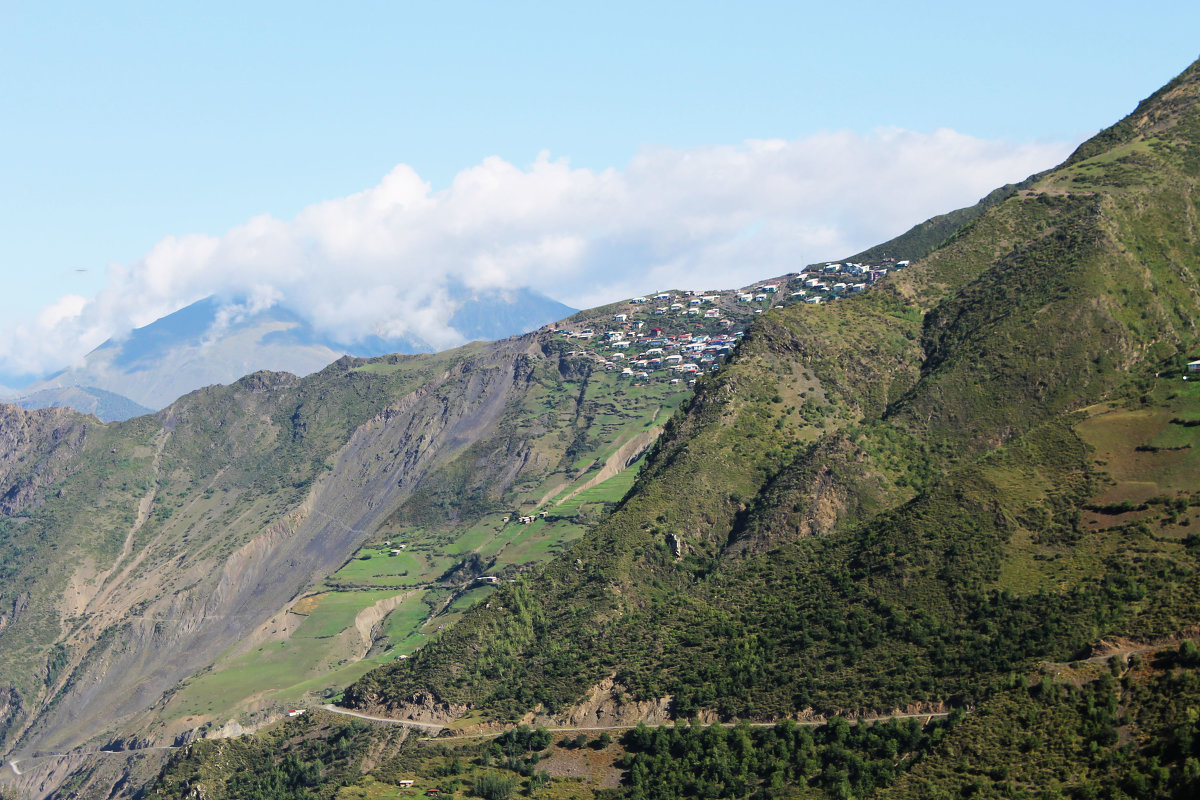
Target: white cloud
389	260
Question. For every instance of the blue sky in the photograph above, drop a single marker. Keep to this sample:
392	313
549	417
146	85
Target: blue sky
129	122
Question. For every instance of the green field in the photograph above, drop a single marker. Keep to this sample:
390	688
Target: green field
375	567
336	611
610	491
402	626
269	669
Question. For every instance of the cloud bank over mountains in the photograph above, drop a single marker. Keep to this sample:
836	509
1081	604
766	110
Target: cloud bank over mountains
397	259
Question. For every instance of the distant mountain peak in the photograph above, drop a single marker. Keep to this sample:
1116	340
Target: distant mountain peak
204	343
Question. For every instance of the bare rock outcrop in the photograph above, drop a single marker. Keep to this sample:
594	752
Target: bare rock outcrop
606	706
424	706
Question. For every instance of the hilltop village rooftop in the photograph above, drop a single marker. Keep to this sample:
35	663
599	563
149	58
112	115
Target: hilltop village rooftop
691	332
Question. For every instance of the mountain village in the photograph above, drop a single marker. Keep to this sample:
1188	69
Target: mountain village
677	335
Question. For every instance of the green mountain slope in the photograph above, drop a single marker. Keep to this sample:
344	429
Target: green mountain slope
257	546
968	488
974	486
885	502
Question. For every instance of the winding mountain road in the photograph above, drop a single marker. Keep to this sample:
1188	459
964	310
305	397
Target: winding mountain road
425	726
429	726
